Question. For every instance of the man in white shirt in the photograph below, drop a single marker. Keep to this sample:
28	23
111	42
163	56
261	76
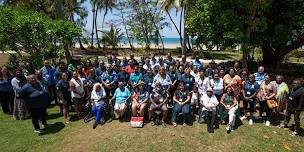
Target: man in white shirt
209	103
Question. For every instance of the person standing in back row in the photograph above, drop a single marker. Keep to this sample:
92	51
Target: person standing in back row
48	73
6	91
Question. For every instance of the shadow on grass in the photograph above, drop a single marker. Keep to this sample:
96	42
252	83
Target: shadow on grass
54	128
54	116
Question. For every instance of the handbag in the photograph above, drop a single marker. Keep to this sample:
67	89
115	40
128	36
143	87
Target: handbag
272	103
137	122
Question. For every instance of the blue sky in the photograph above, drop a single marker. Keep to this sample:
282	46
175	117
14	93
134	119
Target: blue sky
169	32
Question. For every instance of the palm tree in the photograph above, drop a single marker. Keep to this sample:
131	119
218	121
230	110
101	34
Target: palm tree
106	5
112	37
182	6
74	8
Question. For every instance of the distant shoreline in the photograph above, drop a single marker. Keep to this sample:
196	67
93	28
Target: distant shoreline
166	45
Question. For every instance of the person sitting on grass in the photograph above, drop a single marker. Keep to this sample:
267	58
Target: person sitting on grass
159	98
182	104
209	104
230	105
98	97
121	97
140	100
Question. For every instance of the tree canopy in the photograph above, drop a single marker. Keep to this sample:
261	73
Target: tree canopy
275	26
27	31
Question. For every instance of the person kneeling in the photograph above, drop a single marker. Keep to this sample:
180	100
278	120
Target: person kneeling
140	99
209	103
182	104
121	97
230	105
98	96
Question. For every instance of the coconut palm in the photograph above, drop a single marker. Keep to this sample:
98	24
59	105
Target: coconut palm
112	37
73	7
182	6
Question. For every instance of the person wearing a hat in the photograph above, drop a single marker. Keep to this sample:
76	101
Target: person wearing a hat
140	99
98	96
121	97
209	103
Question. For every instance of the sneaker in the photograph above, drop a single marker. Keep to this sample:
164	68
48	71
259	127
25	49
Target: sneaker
243	118
200	121
282	126
267	123
94	125
250	122
185	125
294	134
228	127
39	132
174	124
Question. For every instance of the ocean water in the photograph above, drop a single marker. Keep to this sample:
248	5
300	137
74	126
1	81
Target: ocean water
170	41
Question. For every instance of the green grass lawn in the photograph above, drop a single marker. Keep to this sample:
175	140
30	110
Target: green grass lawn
116	136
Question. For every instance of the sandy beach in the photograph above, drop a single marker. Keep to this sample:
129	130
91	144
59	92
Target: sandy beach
167	46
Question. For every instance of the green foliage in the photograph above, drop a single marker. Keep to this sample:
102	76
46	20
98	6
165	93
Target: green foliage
275	26
26	31
112	37
145	22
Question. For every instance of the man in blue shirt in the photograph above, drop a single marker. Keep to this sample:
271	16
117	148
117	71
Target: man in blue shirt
48	73
108	79
197	63
260	75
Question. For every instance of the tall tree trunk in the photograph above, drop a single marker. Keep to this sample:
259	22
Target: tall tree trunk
96	29
93	25
185	36
178	31
67	52
180	28
78	37
126	29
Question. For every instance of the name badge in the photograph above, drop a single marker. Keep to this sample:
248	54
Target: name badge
149	83
248	93
180	100
107	81
187	84
252	86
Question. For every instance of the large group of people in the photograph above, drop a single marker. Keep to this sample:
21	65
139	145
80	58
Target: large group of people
152	87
